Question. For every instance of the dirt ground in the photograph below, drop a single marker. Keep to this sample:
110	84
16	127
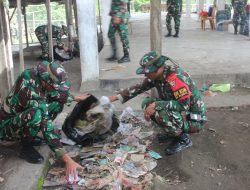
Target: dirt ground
218	160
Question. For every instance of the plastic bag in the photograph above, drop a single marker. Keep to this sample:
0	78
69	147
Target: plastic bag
220	87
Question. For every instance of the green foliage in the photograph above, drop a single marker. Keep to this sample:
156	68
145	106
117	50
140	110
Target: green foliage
138	3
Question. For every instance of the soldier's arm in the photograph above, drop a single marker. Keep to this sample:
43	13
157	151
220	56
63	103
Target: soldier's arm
180	1
135	90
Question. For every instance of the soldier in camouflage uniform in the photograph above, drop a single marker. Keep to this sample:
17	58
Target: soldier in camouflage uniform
119	22
42	35
178	110
35	100
174	9
239	13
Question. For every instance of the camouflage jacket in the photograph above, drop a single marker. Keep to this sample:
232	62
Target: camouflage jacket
177	92
119	9
56	32
27	93
174	6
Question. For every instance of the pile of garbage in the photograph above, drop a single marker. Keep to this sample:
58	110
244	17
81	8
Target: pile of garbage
122	160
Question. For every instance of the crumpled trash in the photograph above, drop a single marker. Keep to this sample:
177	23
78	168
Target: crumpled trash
220	87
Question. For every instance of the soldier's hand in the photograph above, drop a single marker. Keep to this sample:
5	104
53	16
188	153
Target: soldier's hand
149	111
81	97
116	20
113	98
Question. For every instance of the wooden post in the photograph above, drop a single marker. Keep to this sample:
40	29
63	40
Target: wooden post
155	25
25	25
6	62
155	31
50	41
19	11
75	16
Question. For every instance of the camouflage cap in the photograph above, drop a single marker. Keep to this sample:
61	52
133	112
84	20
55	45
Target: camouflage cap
150	62
54	74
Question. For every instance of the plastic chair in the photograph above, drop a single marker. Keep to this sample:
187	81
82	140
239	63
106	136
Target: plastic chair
211	20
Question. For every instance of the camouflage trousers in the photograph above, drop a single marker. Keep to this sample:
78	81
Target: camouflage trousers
239	17
43	39
27	124
172	122
177	21
122	30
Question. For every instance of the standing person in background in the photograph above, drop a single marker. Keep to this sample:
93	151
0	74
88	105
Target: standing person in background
239	14
42	36
119	23
174	9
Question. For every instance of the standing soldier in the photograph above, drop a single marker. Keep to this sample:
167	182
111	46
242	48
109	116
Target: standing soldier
38	96
42	35
178	110
174	9
239	13
119	22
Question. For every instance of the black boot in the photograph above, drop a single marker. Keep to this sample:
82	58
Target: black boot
125	58
169	34
30	154
113	57
235	30
179	144
176	34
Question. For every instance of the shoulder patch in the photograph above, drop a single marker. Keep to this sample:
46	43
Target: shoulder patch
179	88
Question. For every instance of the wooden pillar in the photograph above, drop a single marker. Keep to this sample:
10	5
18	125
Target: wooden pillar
155	31
75	16
25	25
50	40
19	11
105	9
155	25
6	62
69	19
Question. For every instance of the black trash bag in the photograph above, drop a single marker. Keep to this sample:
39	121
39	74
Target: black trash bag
79	113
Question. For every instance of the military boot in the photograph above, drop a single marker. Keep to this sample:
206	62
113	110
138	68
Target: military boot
176	34
30	154
235	30
113	57
169	34
125	58
180	143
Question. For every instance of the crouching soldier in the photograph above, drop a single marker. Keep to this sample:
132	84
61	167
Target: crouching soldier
179	110
38	96
42	36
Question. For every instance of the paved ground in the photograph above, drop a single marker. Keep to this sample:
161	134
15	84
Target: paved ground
218	160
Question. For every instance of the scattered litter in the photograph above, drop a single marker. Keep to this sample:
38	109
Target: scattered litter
220	87
113	68
222	142
137	157
234	108
1	180
120	161
154	155
208	93
212	130
244	124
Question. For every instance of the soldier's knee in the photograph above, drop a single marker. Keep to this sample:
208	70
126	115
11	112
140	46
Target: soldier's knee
33	117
